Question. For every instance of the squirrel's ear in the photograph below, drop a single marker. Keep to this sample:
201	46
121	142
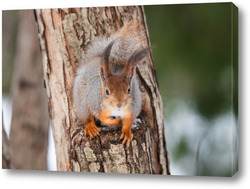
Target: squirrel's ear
138	55
102	74
105	60
131	74
135	58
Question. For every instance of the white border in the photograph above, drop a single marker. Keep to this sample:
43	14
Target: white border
42	179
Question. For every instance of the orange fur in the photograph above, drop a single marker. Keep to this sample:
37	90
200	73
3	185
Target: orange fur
90	128
105	117
118	86
127	123
128	26
131	29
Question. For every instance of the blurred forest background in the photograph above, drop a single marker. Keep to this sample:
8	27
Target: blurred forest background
192	50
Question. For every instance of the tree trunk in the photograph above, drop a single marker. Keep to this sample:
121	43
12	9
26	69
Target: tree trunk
30	120
64	35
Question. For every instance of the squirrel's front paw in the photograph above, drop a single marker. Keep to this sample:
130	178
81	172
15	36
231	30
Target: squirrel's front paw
127	136
91	130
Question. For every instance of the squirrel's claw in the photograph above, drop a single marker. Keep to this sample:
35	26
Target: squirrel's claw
121	137
127	137
92	131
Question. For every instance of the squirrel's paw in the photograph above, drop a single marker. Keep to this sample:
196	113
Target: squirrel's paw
91	130
127	137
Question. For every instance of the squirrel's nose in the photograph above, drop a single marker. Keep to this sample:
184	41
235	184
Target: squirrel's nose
119	106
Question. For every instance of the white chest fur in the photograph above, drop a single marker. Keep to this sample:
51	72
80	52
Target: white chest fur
117	112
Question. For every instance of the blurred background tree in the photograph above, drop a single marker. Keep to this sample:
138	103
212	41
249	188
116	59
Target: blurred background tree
30	120
9	27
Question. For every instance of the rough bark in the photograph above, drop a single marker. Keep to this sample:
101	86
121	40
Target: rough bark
6	159
64	35
30	120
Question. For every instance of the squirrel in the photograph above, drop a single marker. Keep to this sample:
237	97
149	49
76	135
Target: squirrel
106	86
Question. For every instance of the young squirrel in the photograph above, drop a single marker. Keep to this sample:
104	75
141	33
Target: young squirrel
106	86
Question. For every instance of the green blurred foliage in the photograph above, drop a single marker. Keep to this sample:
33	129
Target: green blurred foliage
181	149
9	34
192	51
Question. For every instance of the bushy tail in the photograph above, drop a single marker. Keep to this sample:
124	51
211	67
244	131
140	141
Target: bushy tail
127	40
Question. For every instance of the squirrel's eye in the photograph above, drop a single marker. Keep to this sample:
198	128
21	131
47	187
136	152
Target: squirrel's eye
128	90
107	92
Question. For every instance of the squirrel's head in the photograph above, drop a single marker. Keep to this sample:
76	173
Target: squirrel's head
117	88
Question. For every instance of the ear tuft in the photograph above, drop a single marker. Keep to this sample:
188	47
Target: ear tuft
138	55
102	73
135	58
104	66
106	53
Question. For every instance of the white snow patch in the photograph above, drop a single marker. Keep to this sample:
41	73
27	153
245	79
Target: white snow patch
7	113
51	154
136	123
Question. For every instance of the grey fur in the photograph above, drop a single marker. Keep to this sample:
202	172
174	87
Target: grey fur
135	105
87	90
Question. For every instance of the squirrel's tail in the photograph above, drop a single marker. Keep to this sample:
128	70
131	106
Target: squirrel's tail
127	40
